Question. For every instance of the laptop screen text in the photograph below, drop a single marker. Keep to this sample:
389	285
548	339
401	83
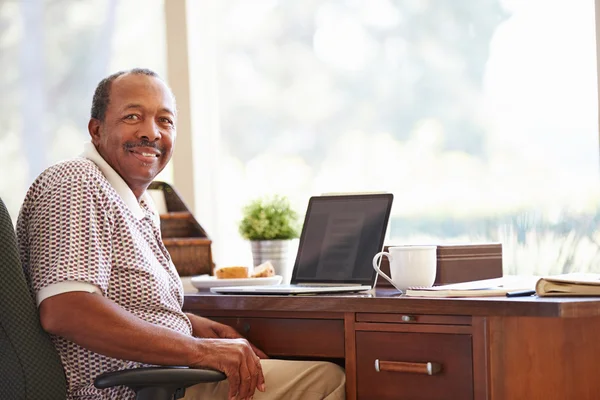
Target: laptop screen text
340	237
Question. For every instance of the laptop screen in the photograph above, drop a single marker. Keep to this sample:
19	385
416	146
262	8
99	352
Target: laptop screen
340	236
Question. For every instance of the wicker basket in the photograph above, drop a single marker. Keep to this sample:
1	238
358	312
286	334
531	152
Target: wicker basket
185	239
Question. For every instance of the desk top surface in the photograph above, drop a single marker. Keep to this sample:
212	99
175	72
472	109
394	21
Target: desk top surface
389	301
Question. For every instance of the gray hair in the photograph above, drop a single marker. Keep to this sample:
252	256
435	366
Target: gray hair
102	92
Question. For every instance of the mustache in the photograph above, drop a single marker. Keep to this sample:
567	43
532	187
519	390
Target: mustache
143	143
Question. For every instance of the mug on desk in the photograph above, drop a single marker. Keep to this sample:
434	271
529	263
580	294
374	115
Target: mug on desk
409	266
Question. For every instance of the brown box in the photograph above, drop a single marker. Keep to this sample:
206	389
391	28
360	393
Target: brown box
185	239
460	263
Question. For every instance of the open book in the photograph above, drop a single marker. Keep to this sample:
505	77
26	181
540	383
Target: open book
576	284
486	287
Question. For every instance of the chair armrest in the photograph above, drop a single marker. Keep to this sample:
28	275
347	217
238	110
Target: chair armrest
180	377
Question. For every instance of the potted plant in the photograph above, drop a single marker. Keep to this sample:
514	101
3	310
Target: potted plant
269	223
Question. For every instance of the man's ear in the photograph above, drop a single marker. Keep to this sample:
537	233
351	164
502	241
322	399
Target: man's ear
94	129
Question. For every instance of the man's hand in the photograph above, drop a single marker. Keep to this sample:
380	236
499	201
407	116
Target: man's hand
209	329
238	360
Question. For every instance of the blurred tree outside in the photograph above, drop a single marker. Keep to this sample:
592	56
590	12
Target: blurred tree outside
480	117
53	54
435	52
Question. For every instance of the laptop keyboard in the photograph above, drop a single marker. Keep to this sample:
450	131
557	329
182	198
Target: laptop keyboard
321	285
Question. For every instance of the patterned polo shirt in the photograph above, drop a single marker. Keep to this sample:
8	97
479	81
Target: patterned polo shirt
78	227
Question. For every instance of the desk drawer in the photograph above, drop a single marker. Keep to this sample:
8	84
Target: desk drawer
414	319
402	361
292	336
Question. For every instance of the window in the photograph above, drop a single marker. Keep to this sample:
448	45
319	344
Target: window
53	54
480	117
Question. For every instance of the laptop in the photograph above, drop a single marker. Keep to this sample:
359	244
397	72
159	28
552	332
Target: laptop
340	236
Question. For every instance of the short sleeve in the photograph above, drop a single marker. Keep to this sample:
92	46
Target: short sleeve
69	235
65	287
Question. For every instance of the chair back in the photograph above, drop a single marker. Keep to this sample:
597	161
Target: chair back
30	367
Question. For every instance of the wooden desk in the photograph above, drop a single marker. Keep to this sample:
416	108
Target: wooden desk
486	348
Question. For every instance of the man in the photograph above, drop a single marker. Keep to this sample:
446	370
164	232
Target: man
104	283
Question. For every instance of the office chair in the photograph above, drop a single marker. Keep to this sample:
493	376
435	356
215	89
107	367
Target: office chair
30	367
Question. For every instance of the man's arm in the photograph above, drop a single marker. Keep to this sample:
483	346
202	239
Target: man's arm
100	325
206	328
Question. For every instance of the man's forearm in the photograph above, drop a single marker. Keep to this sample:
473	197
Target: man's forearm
100	325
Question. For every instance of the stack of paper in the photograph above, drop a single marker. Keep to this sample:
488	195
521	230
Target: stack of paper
486	287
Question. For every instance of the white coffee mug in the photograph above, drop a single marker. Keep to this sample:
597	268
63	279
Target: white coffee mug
409	266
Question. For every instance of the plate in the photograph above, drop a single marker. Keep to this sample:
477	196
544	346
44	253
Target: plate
207	282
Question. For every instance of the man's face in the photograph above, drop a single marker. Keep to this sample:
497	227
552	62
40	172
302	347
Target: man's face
138	132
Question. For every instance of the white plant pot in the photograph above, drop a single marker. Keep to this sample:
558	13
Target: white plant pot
275	251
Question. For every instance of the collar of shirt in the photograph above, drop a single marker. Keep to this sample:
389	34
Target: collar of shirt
90	152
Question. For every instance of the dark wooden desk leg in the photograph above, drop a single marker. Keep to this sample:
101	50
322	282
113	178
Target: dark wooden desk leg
481	359
350	355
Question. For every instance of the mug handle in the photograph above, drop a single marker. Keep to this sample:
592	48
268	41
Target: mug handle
379	271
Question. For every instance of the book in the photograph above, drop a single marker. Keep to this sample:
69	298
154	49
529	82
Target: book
482	288
575	284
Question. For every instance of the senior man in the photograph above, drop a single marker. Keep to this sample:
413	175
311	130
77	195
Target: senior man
105	285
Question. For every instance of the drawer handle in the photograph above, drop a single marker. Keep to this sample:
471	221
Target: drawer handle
428	368
408	318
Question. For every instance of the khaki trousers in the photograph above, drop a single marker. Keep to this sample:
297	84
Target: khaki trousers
285	380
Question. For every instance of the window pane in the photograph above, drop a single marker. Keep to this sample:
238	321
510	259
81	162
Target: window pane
53	54
480	117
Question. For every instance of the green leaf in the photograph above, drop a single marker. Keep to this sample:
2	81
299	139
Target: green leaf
269	218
